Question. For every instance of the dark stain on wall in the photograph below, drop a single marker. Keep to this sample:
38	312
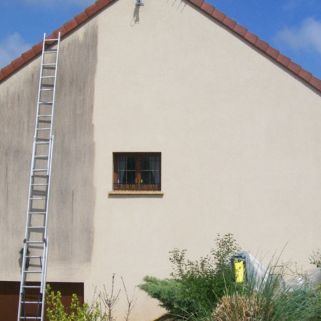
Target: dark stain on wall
18	98
73	195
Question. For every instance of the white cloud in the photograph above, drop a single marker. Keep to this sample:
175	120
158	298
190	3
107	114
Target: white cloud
12	47
305	37
295	5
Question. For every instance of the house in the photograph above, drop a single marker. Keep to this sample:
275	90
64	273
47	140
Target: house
173	123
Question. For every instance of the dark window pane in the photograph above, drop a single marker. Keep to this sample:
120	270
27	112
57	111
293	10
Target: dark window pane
156	177
146	177
121	177
137	171
131	163
131	177
146	163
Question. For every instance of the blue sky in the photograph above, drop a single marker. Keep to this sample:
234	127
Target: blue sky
292	26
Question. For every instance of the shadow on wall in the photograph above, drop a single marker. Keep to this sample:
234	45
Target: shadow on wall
136	14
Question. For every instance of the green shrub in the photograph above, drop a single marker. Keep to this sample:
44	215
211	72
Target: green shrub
56	311
195	286
302	304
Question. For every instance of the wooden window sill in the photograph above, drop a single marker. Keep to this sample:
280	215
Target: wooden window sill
136	193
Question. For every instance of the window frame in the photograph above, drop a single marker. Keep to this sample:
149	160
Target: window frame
137	187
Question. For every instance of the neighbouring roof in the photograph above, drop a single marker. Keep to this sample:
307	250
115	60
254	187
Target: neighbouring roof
204	7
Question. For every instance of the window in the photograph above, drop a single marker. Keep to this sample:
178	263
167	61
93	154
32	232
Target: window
137	171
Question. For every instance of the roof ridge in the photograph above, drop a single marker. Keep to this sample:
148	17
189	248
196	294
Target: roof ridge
204	7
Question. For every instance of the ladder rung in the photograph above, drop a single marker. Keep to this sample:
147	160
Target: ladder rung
35	211
39	184
30	318
44	128
40	170
32	272
49	66
32	286
35	242
44	115
39	139
51	39
37	192
37	198
33	256
47	77
42	143
41	157
45	103
36	227
31	302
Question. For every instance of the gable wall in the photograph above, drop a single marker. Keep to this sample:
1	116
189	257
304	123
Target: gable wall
239	139
240	143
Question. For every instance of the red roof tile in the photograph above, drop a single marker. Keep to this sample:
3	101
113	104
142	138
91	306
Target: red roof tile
273	53
70	25
82	17
240	30
207	8
283	60
218	15
251	37
229	22
204	7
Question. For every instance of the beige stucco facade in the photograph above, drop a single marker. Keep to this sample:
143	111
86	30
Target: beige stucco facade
240	140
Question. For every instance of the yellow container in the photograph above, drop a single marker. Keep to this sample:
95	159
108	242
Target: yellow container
239	270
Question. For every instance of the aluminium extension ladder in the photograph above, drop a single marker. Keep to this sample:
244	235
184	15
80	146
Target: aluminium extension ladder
35	247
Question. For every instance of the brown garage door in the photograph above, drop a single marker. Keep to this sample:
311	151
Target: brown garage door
9	296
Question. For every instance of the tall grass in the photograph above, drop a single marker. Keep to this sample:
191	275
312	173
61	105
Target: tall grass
268	299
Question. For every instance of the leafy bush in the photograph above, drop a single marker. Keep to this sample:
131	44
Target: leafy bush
195	286
56	311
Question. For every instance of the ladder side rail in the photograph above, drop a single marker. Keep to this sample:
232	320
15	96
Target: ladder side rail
43	281
49	181
49	163
52	112
40	81
22	279
44	274
45	250
54	89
